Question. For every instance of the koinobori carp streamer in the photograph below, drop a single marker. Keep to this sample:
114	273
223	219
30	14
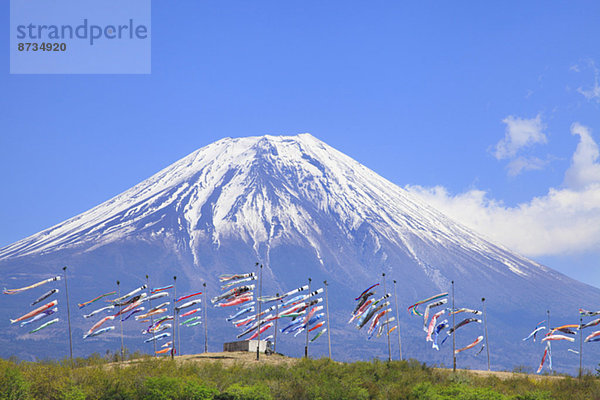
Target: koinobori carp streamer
134	291
40	283
318	335
232	293
40	316
39	328
188	304
187	297
469	346
81	305
428	307
44	296
558	337
365	291
231	277
413	308
99	332
534	333
35	312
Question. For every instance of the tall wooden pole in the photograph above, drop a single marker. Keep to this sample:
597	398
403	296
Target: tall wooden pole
174	349
453	333
306	328
150	307
487	347
548	345
276	319
121	322
68	318
258	310
580	348
388	331
205	306
397	321
328	326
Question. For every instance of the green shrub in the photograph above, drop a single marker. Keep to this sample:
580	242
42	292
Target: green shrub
12	384
171	388
427	391
241	392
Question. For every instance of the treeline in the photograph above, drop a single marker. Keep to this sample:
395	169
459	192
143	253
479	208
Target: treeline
153	379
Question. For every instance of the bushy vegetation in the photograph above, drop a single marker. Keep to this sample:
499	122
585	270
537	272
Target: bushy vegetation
161	379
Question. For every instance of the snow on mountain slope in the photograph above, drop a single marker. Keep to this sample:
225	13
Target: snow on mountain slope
262	190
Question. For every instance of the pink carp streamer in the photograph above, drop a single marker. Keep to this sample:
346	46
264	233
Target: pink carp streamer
432	325
470	346
40	283
262	329
236	301
190	312
428	307
558	337
35	312
542	362
592	336
98	325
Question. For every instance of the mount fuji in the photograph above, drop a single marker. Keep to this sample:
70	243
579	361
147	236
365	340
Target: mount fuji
302	209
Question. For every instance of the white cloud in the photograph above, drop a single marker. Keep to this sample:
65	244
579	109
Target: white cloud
592	93
584	169
520	164
520	133
565	220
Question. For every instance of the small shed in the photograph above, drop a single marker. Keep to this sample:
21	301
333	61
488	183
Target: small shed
249	345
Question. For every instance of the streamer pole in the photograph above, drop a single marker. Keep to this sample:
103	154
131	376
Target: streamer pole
580	348
397	322
205	306
173	348
487	347
307	312
258	309
121	322
388	331
68	318
453	333
150	307
276	319
328	326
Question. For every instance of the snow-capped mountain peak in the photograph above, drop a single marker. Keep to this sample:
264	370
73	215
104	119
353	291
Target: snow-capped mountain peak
265	190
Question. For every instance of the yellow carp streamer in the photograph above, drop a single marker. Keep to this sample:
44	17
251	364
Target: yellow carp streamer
40	283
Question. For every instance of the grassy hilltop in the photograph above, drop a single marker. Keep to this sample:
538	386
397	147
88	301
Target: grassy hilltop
274	377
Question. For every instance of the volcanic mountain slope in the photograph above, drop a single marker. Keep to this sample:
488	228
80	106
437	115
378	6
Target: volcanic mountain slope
302	209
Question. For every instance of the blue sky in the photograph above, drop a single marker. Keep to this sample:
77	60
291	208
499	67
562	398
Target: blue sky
422	94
